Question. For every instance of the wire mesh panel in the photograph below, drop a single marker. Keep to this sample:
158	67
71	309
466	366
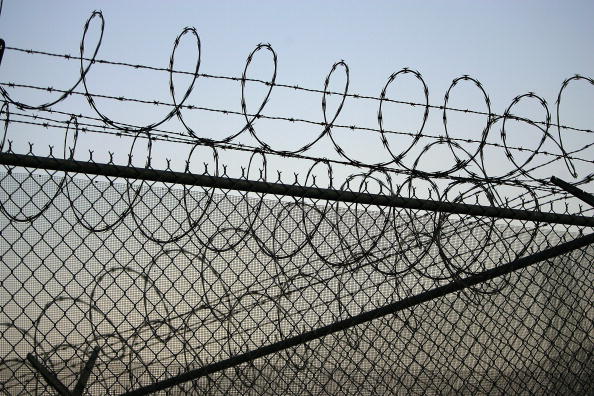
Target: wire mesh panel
166	278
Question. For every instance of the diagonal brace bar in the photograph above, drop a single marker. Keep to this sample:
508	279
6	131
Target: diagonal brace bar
441	291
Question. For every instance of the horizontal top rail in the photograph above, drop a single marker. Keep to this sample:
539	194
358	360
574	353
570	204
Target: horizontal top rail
186	178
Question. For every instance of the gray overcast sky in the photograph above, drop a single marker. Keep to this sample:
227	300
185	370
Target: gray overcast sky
512	47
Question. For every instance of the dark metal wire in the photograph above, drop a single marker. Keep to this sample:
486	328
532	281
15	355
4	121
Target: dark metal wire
312	90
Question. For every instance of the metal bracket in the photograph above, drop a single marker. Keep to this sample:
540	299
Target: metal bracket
573	190
54	382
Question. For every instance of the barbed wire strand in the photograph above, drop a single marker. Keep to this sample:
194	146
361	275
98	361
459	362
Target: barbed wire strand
292	86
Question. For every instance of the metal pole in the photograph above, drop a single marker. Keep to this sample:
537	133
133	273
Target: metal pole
190	179
49	376
573	190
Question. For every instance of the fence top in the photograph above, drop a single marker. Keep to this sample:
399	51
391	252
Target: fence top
190	179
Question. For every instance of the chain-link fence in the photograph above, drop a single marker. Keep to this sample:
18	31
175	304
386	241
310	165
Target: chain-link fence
221	286
432	258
